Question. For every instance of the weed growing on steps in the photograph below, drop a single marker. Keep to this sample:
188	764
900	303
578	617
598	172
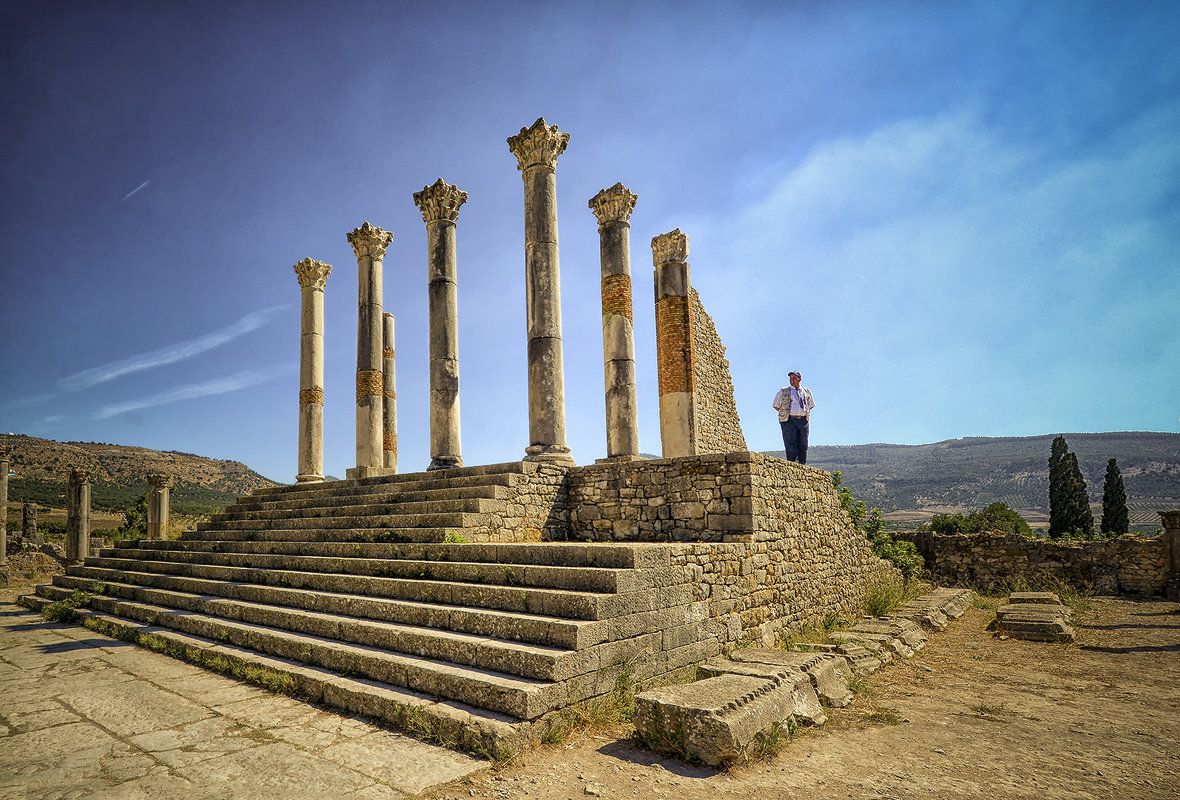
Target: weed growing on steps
67	610
825	633
886	594
456	538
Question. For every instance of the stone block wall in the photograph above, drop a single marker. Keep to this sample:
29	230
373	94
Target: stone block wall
763	543
1126	564
719	430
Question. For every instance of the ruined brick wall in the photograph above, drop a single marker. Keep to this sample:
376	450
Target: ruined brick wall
762	542
718	428
1126	564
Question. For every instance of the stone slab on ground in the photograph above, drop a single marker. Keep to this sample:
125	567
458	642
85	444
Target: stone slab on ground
808	708
898	627
828	672
935	609
82	718
1044	598
1036	621
716	720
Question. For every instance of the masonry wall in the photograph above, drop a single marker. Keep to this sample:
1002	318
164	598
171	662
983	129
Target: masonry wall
762	543
718	428
1126	564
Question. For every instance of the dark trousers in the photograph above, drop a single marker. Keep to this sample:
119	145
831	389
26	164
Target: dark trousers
795	439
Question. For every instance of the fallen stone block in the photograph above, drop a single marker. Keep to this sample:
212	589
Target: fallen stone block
901	628
1036	621
828	672
714	720
884	642
1042	598
808	706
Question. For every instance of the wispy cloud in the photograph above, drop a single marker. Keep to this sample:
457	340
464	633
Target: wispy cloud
167	355
231	383
137	188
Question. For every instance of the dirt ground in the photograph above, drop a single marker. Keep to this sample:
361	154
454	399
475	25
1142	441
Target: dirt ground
972	715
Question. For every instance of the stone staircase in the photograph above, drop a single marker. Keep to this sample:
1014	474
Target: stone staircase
364	595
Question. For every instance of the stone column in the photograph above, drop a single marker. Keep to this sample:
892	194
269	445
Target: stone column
157	522
1171	520
674	351
440	209
536	150
5	458
313	276
369	244
78	517
389	406
29	525
613	208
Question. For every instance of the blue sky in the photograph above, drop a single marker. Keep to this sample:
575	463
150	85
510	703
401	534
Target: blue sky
954	218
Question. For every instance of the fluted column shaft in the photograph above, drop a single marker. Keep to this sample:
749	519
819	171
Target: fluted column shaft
313	276
536	150
389	396
440	204
369	244
78	516
613	208
674	345
5	456
158	501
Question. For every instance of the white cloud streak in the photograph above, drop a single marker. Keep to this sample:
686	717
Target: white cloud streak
137	188
167	355
225	385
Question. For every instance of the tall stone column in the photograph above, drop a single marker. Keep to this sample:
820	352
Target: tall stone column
674	350
536	150
369	244
78	516
158	497
613	208
1171	520
440	209
5	458
313	276
389	406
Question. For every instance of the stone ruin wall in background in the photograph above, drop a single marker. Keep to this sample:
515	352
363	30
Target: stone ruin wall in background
718	428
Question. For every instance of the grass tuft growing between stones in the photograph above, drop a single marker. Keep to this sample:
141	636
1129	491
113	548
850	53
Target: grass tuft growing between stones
67	610
884	595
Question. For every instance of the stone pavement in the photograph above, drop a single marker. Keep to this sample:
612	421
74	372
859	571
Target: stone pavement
83	715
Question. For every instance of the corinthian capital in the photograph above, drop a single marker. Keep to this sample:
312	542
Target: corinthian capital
538	146
369	240
160	480
5	453
312	274
613	204
671	246
79	476
440	201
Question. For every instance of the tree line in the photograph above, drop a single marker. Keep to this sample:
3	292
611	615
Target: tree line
1069	502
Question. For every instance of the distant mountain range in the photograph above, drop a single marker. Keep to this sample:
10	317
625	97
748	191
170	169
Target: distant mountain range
118	474
967	474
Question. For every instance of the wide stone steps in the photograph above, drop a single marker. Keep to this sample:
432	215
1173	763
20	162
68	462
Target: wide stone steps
371	495
583	579
519	697
444	519
533	600
398	535
569	634
501	474
462	505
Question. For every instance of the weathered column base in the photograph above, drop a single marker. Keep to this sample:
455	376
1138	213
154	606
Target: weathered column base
356	473
309	478
445	462
549	453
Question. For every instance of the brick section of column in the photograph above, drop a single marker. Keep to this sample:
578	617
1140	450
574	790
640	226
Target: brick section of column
674	345
389	395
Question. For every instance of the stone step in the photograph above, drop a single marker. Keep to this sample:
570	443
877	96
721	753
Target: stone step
579	578
455	519
520	659
572	634
464	505
437	534
567	554
410	480
519	697
457	725
372	495
548	602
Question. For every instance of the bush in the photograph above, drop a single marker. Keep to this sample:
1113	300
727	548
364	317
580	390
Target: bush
996	517
903	554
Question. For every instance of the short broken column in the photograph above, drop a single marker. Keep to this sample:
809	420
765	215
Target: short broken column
1171	520
440	210
28	529
369	243
158	497
78	517
313	276
536	149
389	397
5	457
674	347
613	208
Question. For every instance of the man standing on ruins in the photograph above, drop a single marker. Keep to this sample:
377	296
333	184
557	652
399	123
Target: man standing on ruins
793	404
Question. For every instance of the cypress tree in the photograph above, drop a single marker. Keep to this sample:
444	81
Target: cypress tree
1077	519
1057	487
1115	519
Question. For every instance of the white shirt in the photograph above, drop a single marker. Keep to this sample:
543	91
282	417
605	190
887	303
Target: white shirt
796	401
